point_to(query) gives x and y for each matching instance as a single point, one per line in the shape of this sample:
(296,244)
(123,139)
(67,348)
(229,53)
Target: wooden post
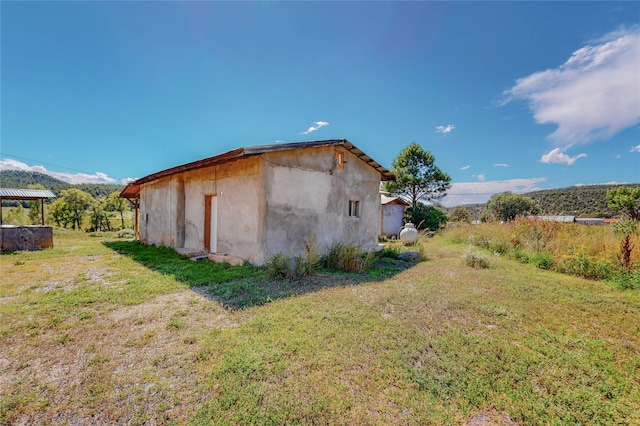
(135,202)
(42,210)
(135,223)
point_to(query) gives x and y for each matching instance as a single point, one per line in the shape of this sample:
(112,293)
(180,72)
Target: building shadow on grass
(238,287)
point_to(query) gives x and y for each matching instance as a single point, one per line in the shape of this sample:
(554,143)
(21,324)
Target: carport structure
(25,195)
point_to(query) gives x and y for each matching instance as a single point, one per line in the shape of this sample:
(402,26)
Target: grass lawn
(105,331)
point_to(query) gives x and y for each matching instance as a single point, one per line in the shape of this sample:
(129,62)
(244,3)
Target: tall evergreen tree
(417,176)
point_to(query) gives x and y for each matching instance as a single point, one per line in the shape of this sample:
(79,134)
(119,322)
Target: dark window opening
(354,208)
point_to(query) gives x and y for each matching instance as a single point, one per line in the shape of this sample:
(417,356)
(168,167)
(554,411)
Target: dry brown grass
(134,364)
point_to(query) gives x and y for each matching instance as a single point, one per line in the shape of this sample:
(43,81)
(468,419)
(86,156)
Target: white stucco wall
(392,219)
(239,191)
(309,195)
(160,202)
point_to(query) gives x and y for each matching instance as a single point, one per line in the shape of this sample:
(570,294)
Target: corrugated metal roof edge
(386,199)
(25,194)
(132,190)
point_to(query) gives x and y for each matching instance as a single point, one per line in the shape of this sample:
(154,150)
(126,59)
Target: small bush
(126,233)
(542,260)
(475,259)
(347,257)
(390,251)
(582,266)
(627,280)
(294,267)
(331,259)
(520,255)
(282,266)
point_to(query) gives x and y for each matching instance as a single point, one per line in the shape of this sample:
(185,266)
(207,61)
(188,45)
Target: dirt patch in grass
(133,364)
(490,418)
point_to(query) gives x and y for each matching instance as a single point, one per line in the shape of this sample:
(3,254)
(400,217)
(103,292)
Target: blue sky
(508,96)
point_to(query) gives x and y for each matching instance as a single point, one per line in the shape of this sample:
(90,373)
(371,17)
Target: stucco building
(392,216)
(254,202)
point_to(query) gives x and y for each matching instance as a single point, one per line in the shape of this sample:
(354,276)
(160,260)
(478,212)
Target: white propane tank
(408,233)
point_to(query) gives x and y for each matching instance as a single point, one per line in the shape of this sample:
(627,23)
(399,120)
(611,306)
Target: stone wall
(13,238)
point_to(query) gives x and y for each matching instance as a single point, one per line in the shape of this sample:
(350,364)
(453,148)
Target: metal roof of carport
(25,194)
(132,190)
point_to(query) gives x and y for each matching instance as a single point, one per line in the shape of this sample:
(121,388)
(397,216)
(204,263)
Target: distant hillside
(583,201)
(22,179)
(580,201)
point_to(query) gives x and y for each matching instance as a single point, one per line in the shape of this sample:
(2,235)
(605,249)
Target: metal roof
(385,199)
(132,190)
(590,220)
(567,219)
(25,194)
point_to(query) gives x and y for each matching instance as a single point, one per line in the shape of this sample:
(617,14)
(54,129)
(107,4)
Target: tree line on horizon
(21,179)
(418,179)
(74,205)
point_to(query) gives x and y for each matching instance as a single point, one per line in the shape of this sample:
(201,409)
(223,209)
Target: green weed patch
(167,261)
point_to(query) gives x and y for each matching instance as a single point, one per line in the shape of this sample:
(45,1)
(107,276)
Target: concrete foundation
(14,238)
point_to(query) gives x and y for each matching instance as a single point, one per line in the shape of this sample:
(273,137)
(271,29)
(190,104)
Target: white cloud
(593,95)
(500,165)
(445,129)
(635,148)
(316,126)
(98,177)
(556,156)
(465,167)
(480,177)
(127,181)
(612,182)
(462,193)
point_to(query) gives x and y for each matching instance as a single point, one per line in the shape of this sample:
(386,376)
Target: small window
(339,159)
(354,208)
